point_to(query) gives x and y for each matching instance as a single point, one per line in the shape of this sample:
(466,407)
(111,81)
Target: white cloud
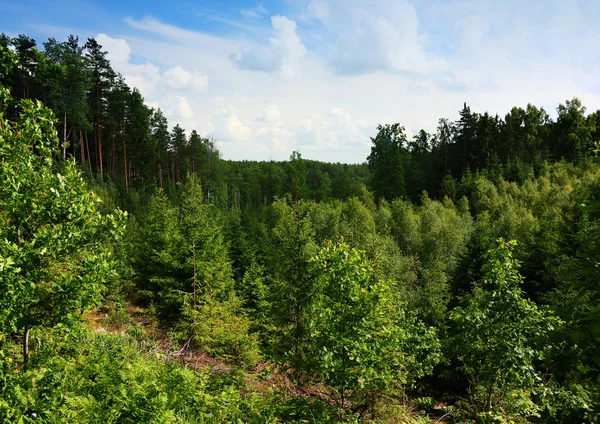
(283,53)
(270,114)
(228,126)
(143,76)
(178,78)
(117,48)
(374,35)
(357,64)
(177,107)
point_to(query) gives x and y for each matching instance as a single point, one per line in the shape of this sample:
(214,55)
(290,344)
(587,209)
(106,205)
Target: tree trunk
(81,147)
(159,169)
(26,347)
(64,146)
(167,163)
(125,171)
(114,160)
(100,147)
(194,249)
(87,146)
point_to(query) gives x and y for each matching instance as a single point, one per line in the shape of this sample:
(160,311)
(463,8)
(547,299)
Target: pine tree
(67,83)
(101,79)
(387,162)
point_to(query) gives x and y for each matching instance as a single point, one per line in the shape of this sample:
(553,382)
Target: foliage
(55,245)
(387,161)
(89,377)
(360,341)
(500,335)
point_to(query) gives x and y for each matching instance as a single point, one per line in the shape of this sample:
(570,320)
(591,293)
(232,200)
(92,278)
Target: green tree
(387,162)
(466,140)
(500,336)
(573,131)
(361,342)
(101,79)
(54,251)
(8,61)
(67,82)
(27,54)
(160,133)
(178,148)
(291,247)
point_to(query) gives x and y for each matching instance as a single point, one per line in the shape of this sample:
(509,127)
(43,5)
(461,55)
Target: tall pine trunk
(159,168)
(114,159)
(82,149)
(64,146)
(125,171)
(99,145)
(87,146)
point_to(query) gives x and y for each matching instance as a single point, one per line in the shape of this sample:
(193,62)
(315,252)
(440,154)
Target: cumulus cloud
(336,130)
(144,77)
(374,35)
(228,126)
(177,108)
(408,63)
(283,53)
(117,48)
(178,78)
(270,114)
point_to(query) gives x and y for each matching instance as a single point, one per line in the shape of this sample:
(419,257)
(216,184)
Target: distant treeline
(107,127)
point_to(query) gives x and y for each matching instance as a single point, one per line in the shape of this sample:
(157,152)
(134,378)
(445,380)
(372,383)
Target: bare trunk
(87,146)
(167,163)
(100,146)
(125,171)
(82,149)
(65,136)
(159,169)
(124,155)
(194,249)
(114,160)
(26,347)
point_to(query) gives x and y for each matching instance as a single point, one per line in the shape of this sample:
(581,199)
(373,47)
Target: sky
(270,77)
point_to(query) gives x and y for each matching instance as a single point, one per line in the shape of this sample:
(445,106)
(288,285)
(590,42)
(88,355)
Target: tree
(102,76)
(8,61)
(160,134)
(292,246)
(361,342)
(500,336)
(67,83)
(54,243)
(466,139)
(26,51)
(418,170)
(142,154)
(178,147)
(387,161)
(573,131)
(442,143)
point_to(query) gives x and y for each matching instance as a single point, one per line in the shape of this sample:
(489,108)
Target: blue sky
(265,78)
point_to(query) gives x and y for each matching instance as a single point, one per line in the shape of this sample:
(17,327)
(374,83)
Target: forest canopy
(452,276)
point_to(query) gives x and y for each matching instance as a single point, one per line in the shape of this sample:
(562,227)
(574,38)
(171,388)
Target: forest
(451,277)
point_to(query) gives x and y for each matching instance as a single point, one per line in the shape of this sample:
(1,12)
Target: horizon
(267,78)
